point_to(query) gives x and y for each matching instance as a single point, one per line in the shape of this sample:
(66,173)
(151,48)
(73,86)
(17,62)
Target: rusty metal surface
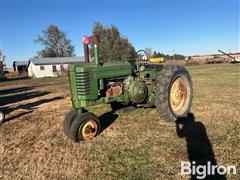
(178,94)
(114,91)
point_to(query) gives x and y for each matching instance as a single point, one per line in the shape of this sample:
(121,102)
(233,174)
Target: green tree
(113,46)
(167,56)
(55,42)
(158,54)
(179,57)
(155,54)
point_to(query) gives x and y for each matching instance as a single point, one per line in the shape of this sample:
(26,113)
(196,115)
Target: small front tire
(67,123)
(85,126)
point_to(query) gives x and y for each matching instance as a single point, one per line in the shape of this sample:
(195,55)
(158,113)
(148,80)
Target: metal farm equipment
(134,82)
(233,59)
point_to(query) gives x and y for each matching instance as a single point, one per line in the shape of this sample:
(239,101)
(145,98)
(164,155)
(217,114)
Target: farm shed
(51,67)
(20,67)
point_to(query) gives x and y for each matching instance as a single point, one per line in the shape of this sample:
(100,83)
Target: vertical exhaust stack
(95,41)
(91,40)
(86,41)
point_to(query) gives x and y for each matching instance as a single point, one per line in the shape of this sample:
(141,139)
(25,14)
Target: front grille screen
(83,83)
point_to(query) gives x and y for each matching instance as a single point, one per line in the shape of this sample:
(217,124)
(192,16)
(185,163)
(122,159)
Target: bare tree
(2,58)
(56,43)
(149,51)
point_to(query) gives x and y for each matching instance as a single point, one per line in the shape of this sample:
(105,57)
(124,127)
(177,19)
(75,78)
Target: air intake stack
(94,40)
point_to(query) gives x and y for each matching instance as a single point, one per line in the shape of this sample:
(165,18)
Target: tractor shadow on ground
(108,118)
(199,147)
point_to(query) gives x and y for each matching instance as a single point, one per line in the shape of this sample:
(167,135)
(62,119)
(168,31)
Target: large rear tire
(173,93)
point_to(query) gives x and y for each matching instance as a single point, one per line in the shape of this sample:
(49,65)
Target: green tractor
(134,82)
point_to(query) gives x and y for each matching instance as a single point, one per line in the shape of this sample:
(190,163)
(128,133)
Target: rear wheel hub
(178,94)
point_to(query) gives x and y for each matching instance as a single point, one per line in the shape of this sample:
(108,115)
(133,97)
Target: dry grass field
(133,145)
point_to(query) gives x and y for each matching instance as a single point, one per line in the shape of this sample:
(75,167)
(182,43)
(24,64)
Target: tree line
(113,45)
(168,57)
(155,54)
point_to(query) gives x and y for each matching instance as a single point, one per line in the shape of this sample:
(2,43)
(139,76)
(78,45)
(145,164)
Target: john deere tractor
(137,82)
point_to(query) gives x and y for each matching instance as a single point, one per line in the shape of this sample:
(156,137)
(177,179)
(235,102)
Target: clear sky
(186,27)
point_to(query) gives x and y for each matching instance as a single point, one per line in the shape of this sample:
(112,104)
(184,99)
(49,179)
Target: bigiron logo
(202,171)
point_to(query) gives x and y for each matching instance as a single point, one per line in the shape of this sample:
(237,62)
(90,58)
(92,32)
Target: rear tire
(173,93)
(85,127)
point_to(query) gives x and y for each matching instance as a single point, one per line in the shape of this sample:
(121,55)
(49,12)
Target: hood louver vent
(83,83)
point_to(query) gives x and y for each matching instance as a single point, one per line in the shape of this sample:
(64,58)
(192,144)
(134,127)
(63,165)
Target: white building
(51,67)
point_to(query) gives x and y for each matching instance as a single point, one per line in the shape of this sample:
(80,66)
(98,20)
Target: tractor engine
(136,89)
(114,89)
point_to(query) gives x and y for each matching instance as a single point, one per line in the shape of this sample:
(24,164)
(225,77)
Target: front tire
(85,127)
(173,93)
(67,123)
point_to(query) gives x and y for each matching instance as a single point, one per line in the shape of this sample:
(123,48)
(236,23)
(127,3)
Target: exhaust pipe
(91,40)
(95,41)
(86,41)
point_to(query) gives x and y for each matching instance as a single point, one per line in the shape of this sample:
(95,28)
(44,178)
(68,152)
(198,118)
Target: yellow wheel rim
(178,94)
(89,130)
(1,116)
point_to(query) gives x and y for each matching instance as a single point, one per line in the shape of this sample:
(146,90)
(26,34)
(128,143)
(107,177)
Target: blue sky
(186,27)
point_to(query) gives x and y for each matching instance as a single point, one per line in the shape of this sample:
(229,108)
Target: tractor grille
(83,83)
